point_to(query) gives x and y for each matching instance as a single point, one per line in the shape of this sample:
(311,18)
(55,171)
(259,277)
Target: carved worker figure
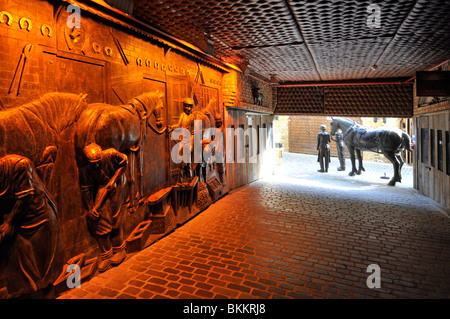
(323,146)
(102,184)
(340,145)
(28,228)
(219,149)
(186,121)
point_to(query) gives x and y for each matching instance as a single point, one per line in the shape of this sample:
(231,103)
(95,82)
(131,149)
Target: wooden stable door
(423,155)
(236,154)
(433,174)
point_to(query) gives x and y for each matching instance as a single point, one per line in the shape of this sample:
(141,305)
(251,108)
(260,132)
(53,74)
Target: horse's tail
(406,141)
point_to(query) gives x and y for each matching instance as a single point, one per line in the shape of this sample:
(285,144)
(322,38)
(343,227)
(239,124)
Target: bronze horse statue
(122,127)
(388,141)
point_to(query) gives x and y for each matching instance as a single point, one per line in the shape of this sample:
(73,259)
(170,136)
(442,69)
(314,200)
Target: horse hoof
(391,183)
(358,173)
(351,174)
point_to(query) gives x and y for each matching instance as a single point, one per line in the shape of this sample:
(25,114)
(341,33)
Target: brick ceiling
(301,41)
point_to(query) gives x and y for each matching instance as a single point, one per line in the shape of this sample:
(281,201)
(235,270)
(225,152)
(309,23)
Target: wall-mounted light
(273,79)
(243,64)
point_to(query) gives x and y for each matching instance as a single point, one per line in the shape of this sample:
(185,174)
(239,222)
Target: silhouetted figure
(323,141)
(340,145)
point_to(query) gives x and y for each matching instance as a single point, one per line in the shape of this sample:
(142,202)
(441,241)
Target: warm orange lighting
(106,5)
(177,43)
(233,67)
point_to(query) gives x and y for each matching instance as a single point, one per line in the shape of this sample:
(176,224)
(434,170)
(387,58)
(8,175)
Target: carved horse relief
(122,127)
(29,140)
(32,130)
(388,141)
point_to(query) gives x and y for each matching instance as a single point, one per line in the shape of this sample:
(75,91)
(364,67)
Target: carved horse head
(150,105)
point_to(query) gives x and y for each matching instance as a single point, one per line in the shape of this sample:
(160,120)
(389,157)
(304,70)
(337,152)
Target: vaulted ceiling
(302,41)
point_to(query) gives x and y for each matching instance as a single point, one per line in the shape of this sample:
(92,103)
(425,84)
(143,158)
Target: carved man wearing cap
(102,183)
(186,121)
(323,141)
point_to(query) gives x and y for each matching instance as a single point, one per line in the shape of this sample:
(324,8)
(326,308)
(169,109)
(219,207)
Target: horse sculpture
(122,127)
(388,141)
(32,130)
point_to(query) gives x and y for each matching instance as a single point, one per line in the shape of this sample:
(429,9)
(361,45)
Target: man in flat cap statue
(323,146)
(102,184)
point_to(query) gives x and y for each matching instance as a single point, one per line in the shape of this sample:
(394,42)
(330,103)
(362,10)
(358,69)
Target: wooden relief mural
(86,172)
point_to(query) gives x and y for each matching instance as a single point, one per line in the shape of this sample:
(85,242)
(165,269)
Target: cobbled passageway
(296,234)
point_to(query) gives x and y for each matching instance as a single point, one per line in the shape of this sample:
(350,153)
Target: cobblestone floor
(296,234)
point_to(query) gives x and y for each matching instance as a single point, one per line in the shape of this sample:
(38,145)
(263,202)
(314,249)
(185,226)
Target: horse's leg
(400,160)
(392,158)
(362,166)
(351,150)
(360,162)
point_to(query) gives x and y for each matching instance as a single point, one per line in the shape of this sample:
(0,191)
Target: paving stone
(297,234)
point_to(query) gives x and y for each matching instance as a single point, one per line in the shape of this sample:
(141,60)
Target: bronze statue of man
(340,145)
(102,183)
(323,146)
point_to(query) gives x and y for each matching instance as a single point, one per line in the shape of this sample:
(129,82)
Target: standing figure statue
(219,149)
(28,228)
(323,146)
(340,145)
(186,121)
(102,183)
(191,164)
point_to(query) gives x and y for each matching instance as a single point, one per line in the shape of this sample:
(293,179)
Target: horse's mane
(57,110)
(146,102)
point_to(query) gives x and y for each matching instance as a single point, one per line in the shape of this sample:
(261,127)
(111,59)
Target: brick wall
(281,131)
(427,105)
(303,132)
(13,40)
(237,92)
